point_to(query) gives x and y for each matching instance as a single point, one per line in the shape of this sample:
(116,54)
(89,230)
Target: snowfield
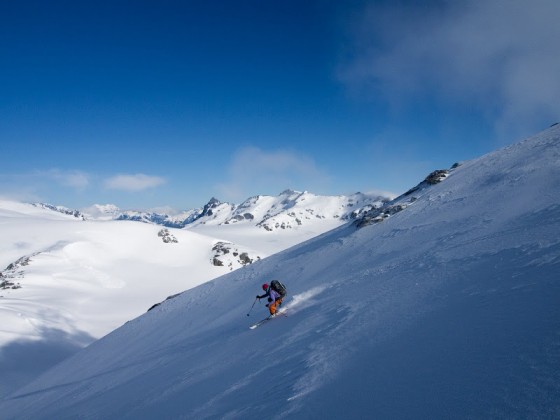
(83,280)
(446,309)
(72,277)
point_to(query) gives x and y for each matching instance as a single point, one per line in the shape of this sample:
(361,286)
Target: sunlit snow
(446,309)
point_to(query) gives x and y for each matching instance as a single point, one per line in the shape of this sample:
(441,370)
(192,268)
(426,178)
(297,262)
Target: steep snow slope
(447,309)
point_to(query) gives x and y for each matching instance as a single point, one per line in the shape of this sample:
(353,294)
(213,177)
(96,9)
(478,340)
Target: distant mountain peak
(213,202)
(290,192)
(61,209)
(289,209)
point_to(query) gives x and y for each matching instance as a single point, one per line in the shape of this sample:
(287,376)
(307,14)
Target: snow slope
(72,277)
(446,309)
(69,282)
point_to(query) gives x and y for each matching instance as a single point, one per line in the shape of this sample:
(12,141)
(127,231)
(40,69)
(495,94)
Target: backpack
(278,287)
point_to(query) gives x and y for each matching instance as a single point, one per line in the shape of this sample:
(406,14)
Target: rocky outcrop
(433,178)
(168,298)
(167,237)
(227,254)
(14,271)
(8,284)
(377,215)
(60,209)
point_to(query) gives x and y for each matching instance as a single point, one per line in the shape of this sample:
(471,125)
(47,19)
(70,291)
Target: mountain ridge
(254,210)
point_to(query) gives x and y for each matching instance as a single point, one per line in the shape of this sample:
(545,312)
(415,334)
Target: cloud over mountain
(494,56)
(136,182)
(255,169)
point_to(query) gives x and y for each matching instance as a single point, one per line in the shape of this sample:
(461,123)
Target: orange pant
(272,306)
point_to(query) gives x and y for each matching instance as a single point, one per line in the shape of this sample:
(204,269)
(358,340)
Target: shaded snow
(447,309)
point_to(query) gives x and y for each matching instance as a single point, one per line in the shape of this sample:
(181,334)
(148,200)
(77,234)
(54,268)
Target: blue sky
(168,103)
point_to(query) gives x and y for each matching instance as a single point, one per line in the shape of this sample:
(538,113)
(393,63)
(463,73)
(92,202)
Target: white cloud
(133,183)
(498,56)
(256,171)
(73,179)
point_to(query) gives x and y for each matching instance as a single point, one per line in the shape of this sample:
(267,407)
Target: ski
(262,321)
(269,318)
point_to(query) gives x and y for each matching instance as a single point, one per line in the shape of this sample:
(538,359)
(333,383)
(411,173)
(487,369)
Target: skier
(275,293)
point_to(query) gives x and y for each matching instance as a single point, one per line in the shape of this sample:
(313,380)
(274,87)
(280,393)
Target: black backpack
(278,287)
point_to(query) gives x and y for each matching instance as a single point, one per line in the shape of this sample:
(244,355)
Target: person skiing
(275,293)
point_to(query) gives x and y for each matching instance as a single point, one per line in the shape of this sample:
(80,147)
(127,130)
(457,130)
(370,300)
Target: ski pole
(252,307)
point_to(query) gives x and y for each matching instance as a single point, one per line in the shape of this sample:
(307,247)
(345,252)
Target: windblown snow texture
(447,309)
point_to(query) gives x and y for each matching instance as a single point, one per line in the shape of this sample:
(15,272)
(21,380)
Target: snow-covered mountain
(177,221)
(78,275)
(447,308)
(287,210)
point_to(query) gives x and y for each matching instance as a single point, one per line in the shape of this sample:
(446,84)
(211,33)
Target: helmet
(265,286)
